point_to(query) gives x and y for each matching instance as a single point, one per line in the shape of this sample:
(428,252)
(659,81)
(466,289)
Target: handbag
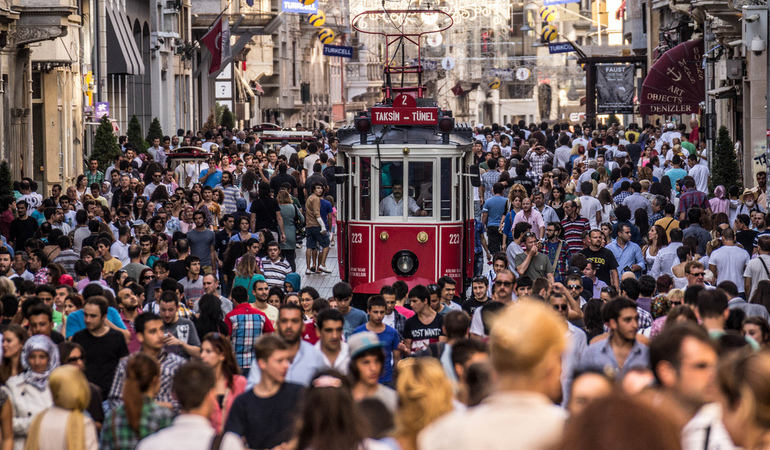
(299,225)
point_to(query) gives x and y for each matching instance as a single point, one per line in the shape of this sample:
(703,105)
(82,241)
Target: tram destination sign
(404,116)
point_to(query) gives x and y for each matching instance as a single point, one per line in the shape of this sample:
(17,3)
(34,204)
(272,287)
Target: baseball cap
(361,342)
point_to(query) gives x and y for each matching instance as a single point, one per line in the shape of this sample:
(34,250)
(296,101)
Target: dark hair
(192,384)
(99,301)
(141,321)
(377,352)
(211,316)
(456,324)
(141,371)
(6,370)
(328,314)
(667,346)
(375,300)
(421,292)
(239,295)
(631,287)
(223,347)
(612,309)
(712,303)
(342,290)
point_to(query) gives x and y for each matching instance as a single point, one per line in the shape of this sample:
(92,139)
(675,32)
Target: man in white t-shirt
(311,158)
(699,173)
(563,153)
(728,261)
(758,269)
(590,207)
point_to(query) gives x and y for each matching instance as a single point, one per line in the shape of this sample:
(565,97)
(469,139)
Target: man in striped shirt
(245,324)
(274,266)
(231,192)
(574,225)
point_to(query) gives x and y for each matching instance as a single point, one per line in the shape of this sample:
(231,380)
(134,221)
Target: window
(391,188)
(447,179)
(421,188)
(365,186)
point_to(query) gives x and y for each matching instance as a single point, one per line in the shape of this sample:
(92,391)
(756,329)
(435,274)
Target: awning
(675,83)
(124,57)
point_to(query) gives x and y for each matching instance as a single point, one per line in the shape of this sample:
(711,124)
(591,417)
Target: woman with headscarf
(29,390)
(720,203)
(64,426)
(292,280)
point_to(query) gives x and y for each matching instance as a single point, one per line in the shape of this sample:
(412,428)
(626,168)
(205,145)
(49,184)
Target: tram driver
(392,205)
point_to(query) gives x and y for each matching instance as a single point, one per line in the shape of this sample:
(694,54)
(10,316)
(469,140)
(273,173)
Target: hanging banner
(560,47)
(296,6)
(615,88)
(675,82)
(559,2)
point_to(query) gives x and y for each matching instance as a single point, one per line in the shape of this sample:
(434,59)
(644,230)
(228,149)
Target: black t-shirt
(746,239)
(221,238)
(471,305)
(279,179)
(21,230)
(423,335)
(524,181)
(634,152)
(604,261)
(177,269)
(265,210)
(102,355)
(265,422)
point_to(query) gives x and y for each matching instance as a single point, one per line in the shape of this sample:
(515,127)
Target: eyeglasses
(561,307)
(504,283)
(574,286)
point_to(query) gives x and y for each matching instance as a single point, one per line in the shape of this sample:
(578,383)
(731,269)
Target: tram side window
(365,213)
(421,188)
(391,188)
(446,188)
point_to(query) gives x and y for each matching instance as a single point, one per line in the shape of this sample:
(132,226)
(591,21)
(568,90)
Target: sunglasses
(560,307)
(607,290)
(504,283)
(574,286)
(148,278)
(697,274)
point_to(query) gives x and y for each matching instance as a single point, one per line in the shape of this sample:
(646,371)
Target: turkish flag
(458,90)
(217,40)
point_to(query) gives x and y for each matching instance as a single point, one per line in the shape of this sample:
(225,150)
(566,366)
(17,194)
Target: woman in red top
(217,353)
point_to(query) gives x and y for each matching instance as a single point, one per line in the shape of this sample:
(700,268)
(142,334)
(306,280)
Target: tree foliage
(106,147)
(724,166)
(155,131)
(211,124)
(134,135)
(228,119)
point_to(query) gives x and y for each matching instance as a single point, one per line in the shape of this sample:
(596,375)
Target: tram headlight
(404,263)
(446,125)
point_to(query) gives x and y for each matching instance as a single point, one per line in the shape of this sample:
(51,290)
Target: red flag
(217,40)
(458,90)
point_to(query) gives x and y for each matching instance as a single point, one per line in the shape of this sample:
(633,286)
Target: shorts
(316,239)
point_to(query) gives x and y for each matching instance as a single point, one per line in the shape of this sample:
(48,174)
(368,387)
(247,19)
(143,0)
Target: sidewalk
(323,283)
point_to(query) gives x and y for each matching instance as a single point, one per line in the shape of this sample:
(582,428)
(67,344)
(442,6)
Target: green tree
(724,164)
(228,119)
(218,110)
(6,180)
(134,135)
(155,131)
(106,147)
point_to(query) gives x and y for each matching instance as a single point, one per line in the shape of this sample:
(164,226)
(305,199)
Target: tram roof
(462,134)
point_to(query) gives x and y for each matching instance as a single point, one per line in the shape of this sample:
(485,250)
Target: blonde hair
(7,286)
(524,335)
(70,391)
(284,198)
(675,294)
(247,267)
(424,394)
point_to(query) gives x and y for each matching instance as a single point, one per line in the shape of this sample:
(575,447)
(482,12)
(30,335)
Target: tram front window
(416,192)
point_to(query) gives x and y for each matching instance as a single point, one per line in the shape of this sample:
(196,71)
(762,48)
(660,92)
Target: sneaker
(323,269)
(310,270)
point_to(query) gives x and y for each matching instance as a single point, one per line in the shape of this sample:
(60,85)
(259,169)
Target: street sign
(448,63)
(404,116)
(560,47)
(296,6)
(338,50)
(101,109)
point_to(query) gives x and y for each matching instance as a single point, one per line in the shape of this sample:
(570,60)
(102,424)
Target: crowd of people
(624,305)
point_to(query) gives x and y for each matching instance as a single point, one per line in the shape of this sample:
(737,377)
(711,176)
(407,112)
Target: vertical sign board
(295,6)
(101,109)
(615,88)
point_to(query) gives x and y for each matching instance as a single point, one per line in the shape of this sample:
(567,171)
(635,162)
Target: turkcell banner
(560,47)
(559,2)
(296,6)
(338,50)
(615,88)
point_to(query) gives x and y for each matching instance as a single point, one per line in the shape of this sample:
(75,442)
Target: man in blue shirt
(621,351)
(354,317)
(628,254)
(491,215)
(211,176)
(389,337)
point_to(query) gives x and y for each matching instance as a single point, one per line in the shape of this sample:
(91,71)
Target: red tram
(406,200)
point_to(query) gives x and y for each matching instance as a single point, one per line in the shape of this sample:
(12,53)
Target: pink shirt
(406,312)
(535,219)
(219,414)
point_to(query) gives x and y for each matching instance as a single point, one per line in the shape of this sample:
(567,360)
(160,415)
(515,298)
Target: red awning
(675,83)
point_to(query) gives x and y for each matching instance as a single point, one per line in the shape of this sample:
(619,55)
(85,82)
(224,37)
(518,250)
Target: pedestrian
(367,364)
(387,335)
(217,353)
(262,415)
(64,426)
(191,430)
